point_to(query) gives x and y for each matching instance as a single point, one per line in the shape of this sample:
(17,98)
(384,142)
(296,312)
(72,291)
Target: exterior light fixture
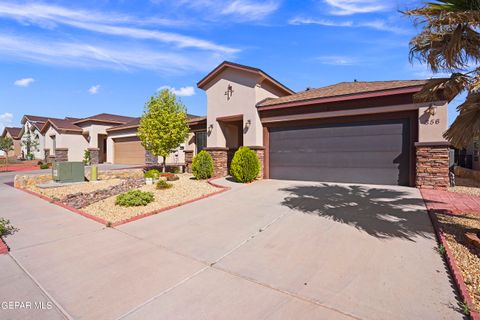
(210,128)
(432,110)
(229,92)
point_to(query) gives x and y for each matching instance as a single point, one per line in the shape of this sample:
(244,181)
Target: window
(201,140)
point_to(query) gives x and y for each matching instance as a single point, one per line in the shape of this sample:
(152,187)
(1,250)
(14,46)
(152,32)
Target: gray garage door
(375,152)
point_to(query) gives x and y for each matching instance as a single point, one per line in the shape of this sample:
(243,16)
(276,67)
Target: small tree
(30,143)
(6,145)
(163,126)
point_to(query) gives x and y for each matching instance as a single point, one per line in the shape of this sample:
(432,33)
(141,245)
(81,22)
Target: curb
(3,247)
(143,215)
(452,266)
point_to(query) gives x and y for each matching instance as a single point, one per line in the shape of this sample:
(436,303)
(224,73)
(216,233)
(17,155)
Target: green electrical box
(69,171)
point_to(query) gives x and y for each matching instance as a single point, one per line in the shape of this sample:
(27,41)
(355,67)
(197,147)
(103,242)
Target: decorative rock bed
(82,199)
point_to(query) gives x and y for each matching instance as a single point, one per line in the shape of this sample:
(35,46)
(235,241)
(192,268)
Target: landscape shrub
(152,173)
(245,165)
(87,157)
(162,184)
(44,166)
(134,198)
(6,228)
(202,165)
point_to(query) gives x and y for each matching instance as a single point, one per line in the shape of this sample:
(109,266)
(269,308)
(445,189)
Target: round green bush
(152,173)
(162,184)
(202,165)
(134,198)
(245,165)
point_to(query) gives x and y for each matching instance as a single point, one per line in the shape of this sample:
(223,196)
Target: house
(14,134)
(356,132)
(31,131)
(124,147)
(68,139)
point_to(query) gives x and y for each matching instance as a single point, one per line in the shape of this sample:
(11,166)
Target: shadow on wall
(382,213)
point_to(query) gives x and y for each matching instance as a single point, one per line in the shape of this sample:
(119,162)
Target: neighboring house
(68,139)
(360,132)
(124,146)
(14,134)
(32,126)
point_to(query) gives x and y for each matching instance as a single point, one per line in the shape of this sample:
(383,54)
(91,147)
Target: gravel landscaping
(467,186)
(184,189)
(466,255)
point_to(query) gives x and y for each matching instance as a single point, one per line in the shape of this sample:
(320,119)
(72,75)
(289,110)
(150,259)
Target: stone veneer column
(61,154)
(94,155)
(150,159)
(220,160)
(260,151)
(46,154)
(188,160)
(432,165)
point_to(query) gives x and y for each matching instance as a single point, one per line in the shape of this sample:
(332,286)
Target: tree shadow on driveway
(382,213)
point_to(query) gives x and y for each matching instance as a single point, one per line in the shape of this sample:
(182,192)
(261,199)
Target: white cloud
(50,16)
(50,51)
(181,92)
(380,25)
(349,7)
(337,60)
(5,120)
(250,10)
(25,82)
(94,89)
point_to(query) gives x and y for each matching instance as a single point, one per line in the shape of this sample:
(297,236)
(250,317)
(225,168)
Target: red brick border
(143,215)
(452,266)
(3,247)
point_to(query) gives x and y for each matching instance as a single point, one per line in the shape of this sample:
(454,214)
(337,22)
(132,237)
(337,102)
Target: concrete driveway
(269,250)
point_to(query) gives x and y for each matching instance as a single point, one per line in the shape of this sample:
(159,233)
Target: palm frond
(467,124)
(443,89)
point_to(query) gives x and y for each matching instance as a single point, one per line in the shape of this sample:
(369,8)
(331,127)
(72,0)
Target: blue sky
(78,58)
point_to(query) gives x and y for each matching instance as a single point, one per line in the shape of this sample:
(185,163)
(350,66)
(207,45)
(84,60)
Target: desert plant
(162,184)
(202,165)
(5,227)
(152,174)
(44,166)
(6,145)
(163,126)
(87,157)
(245,165)
(134,198)
(449,42)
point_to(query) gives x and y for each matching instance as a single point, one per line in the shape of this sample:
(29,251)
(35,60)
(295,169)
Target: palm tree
(450,42)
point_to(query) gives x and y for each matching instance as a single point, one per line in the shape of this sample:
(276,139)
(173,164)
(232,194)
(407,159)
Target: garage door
(376,152)
(128,151)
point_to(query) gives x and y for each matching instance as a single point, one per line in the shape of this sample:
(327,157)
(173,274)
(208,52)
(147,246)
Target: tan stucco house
(14,134)
(363,132)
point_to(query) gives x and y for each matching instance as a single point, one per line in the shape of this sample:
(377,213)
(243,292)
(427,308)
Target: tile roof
(107,117)
(62,125)
(343,89)
(35,118)
(13,131)
(136,122)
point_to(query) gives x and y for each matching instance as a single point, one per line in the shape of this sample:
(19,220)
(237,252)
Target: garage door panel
(375,152)
(128,150)
(341,144)
(332,159)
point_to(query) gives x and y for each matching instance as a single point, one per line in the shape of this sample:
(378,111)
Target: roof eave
(356,96)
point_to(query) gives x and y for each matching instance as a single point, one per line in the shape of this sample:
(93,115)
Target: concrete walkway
(269,250)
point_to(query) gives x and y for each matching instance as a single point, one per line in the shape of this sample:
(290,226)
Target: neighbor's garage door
(128,151)
(376,152)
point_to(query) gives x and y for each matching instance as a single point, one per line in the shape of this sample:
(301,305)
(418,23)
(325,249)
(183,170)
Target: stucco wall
(94,130)
(248,89)
(76,143)
(432,127)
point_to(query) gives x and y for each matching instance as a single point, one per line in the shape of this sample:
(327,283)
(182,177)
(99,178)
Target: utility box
(69,171)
